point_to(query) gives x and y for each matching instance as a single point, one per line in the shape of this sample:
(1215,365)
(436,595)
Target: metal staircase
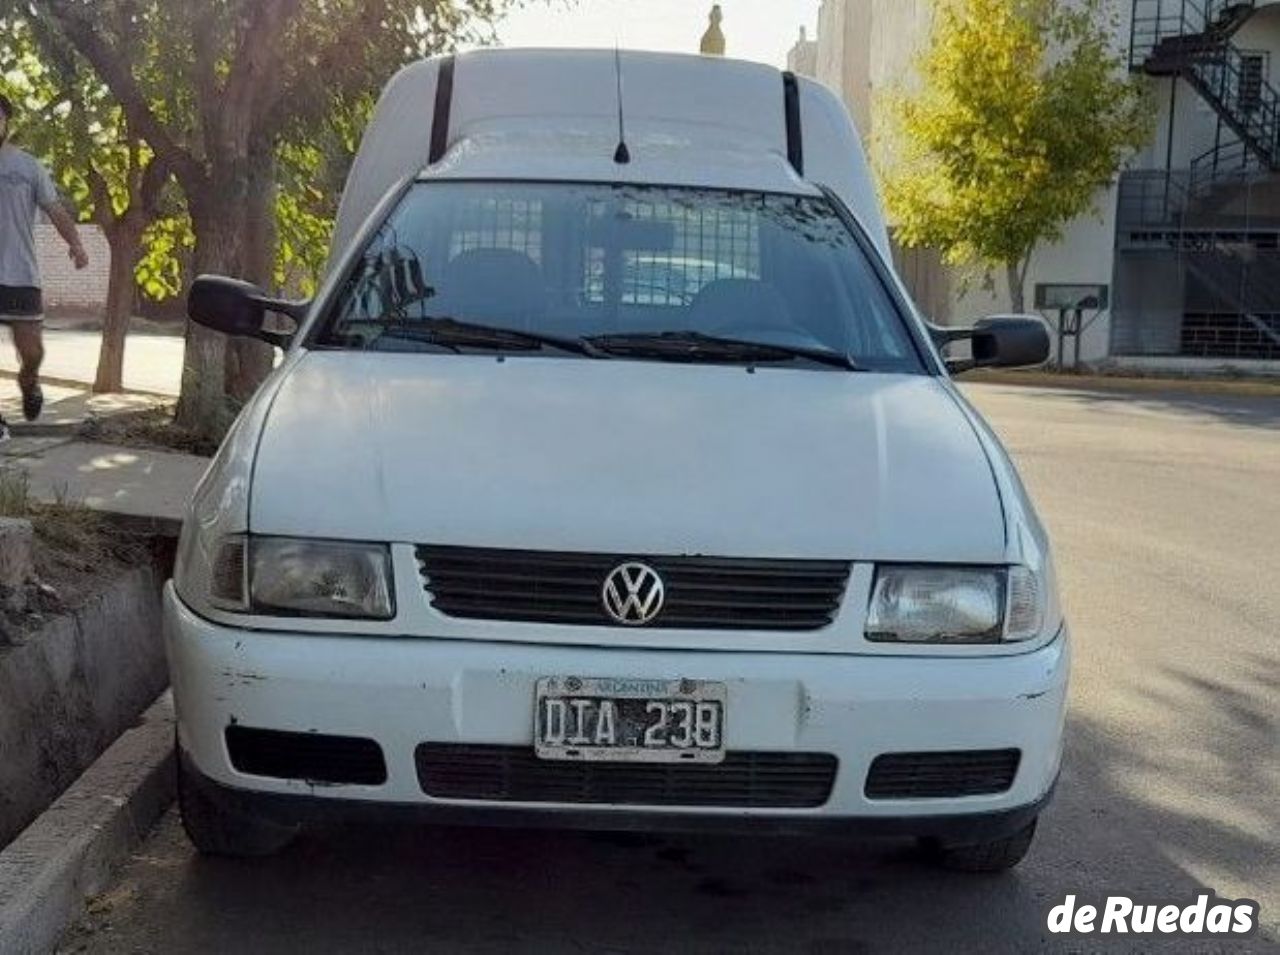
(1192,40)
(1237,275)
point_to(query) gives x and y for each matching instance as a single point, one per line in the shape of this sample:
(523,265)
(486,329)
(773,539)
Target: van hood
(624,457)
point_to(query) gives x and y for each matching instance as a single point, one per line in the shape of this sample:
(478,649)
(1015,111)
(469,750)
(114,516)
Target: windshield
(568,262)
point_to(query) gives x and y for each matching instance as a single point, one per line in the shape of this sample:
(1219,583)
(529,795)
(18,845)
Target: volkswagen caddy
(612,480)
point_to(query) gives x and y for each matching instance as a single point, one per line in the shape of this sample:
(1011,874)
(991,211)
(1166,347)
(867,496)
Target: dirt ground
(151,428)
(76,553)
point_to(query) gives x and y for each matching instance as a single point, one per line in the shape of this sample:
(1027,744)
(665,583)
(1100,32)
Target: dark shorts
(20,304)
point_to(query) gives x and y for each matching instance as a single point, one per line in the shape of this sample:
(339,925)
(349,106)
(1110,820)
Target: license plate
(626,720)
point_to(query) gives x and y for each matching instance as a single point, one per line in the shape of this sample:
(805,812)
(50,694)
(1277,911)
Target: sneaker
(32,402)
(4,431)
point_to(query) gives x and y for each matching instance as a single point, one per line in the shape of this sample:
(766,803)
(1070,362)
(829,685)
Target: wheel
(998,855)
(218,830)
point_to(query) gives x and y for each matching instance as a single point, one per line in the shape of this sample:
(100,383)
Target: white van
(613,481)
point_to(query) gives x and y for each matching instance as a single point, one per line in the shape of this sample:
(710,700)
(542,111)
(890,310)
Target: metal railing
(1246,284)
(1161,209)
(1153,199)
(1158,214)
(1191,39)
(1157,20)
(1249,106)
(1223,164)
(1209,334)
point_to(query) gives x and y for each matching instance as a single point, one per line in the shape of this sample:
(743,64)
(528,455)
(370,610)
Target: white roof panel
(539,154)
(553,115)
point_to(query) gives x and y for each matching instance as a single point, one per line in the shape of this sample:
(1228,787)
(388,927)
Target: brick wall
(64,288)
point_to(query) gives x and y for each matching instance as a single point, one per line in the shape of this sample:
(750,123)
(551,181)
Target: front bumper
(402,692)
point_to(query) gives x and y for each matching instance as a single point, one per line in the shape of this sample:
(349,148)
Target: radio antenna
(622,155)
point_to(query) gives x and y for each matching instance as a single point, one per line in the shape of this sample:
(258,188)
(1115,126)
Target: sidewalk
(66,408)
(152,363)
(150,487)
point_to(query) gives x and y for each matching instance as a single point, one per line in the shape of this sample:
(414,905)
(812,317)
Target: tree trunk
(1016,273)
(249,361)
(203,408)
(124,237)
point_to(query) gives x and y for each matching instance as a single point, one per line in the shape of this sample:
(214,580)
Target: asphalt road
(1166,515)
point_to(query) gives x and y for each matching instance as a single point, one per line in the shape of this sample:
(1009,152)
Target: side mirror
(999,341)
(240,308)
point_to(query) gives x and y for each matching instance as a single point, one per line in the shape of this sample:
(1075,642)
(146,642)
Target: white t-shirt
(25,186)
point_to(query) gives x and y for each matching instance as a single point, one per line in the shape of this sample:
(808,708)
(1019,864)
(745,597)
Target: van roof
(553,115)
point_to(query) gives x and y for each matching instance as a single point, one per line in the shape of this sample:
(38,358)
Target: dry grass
(15,492)
(76,549)
(151,428)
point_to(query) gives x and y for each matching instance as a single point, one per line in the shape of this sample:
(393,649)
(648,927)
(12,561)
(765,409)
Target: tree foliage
(312,168)
(1024,110)
(74,126)
(167,244)
(69,120)
(235,98)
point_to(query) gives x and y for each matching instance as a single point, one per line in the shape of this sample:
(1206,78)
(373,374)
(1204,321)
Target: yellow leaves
(1025,111)
(167,244)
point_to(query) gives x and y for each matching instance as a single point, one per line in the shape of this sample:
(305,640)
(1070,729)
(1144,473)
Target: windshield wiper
(697,346)
(453,333)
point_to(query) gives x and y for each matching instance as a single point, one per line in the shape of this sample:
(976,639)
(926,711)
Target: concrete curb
(70,852)
(1257,387)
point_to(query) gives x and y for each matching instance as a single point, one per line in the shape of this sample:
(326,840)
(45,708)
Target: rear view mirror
(234,307)
(999,341)
(1011,341)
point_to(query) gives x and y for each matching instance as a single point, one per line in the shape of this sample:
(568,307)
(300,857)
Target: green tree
(1024,111)
(312,166)
(70,122)
(214,87)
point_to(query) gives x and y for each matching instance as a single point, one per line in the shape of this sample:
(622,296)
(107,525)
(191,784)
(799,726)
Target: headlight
(923,604)
(303,578)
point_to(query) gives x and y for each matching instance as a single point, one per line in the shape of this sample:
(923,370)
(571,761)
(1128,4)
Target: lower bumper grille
(309,756)
(942,775)
(515,774)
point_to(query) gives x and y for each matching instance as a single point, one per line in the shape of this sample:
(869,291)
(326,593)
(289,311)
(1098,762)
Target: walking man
(25,186)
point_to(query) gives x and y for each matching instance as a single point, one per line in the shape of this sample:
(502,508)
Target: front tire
(219,830)
(998,855)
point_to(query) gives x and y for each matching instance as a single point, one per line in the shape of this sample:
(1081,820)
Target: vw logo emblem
(633,594)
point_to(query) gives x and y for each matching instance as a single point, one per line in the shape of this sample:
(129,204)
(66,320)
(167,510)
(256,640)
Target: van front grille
(516,774)
(979,772)
(701,593)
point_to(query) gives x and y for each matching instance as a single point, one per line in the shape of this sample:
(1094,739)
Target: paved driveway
(1166,517)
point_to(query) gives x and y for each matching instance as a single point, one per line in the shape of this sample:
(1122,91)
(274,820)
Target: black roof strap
(795,137)
(440,118)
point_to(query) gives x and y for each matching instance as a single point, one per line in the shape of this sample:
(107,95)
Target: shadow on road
(1228,819)
(1256,411)
(1114,829)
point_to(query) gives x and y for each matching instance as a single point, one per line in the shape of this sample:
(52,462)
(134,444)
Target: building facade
(1184,247)
(803,57)
(66,290)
